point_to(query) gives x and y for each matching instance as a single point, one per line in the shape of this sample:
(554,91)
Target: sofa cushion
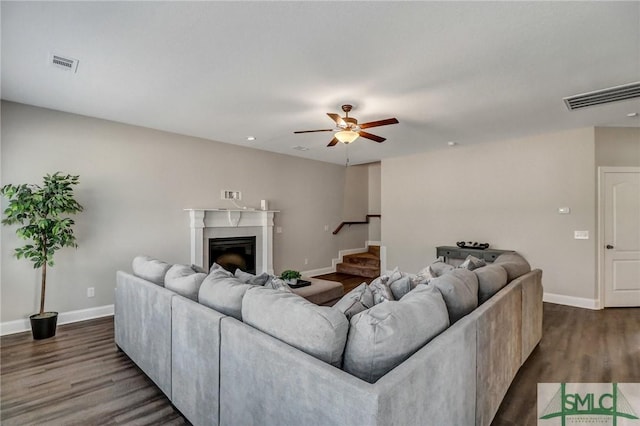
(223,292)
(459,290)
(249,278)
(382,337)
(184,280)
(514,264)
(491,279)
(356,301)
(472,262)
(150,269)
(320,331)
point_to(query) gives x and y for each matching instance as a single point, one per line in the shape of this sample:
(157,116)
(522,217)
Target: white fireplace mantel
(206,221)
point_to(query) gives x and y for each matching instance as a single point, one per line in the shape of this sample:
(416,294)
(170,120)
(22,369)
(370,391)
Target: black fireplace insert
(233,253)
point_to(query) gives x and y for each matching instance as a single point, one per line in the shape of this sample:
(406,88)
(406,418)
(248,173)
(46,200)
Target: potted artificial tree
(41,211)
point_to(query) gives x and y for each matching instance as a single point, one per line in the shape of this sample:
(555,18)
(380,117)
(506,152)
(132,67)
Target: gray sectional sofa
(278,360)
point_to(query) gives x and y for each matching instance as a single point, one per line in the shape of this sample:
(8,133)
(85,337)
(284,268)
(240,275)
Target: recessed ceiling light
(452,143)
(300,148)
(632,114)
(251,138)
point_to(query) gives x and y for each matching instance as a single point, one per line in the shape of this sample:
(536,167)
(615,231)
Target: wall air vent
(64,62)
(604,96)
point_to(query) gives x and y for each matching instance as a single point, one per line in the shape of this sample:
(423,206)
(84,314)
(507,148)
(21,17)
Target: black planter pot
(44,326)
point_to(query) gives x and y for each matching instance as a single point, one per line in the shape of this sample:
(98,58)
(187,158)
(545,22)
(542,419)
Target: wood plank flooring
(79,378)
(349,282)
(578,346)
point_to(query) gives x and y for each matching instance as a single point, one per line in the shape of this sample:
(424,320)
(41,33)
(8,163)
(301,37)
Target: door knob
(609,246)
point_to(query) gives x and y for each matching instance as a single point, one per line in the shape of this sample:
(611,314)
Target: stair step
(359,270)
(367,259)
(374,250)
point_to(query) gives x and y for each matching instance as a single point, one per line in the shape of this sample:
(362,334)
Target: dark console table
(454,252)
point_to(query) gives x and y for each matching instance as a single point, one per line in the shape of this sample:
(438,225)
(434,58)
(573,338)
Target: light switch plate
(581,235)
(564,210)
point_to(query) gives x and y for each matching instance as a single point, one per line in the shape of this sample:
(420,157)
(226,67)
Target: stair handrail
(355,222)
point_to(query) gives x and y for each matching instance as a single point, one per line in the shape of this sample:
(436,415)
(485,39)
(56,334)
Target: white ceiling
(467,72)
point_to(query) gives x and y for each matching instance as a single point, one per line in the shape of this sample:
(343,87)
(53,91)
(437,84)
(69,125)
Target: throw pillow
(183,280)
(278,284)
(380,289)
(459,290)
(150,269)
(357,300)
(384,336)
(199,269)
(248,278)
(401,287)
(472,262)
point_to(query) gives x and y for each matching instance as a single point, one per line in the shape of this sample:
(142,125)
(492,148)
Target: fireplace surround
(207,224)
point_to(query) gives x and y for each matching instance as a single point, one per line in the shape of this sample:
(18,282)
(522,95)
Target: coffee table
(320,292)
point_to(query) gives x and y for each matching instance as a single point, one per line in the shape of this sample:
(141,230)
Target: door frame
(600,302)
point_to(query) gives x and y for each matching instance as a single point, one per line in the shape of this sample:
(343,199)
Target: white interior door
(620,209)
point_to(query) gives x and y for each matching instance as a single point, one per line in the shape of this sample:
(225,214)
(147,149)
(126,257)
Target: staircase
(365,264)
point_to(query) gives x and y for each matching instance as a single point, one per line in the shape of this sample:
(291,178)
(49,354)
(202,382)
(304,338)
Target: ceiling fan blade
(333,142)
(335,117)
(313,131)
(379,123)
(372,137)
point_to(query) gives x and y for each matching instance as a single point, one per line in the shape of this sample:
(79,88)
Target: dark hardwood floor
(79,378)
(349,282)
(578,346)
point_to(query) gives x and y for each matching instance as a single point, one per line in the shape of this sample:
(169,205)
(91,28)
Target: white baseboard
(578,302)
(321,271)
(18,326)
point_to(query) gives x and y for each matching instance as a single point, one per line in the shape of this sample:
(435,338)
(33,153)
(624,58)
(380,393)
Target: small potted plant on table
(290,277)
(41,210)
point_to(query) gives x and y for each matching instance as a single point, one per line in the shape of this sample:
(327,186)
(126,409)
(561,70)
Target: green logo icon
(587,405)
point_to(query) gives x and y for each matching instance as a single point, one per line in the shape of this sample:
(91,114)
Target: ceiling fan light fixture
(347,136)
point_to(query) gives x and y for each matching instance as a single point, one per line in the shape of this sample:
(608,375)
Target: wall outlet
(278,229)
(581,235)
(91,292)
(326,227)
(564,210)
(306,261)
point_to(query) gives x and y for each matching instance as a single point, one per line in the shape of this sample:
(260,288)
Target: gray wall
(135,183)
(505,193)
(375,173)
(617,146)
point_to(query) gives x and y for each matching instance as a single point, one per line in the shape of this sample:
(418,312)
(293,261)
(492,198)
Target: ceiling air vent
(604,96)
(63,62)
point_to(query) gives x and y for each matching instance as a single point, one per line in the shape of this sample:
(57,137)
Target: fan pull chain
(347,163)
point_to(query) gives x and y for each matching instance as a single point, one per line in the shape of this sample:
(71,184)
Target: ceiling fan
(348,130)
